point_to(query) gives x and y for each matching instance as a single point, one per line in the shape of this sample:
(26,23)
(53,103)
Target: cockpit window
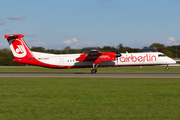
(161,55)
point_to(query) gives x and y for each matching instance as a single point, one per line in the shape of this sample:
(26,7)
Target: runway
(97,75)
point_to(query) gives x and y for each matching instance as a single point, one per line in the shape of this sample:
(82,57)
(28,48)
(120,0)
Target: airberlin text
(131,58)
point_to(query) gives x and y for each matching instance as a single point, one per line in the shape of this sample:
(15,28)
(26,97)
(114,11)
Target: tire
(167,68)
(93,71)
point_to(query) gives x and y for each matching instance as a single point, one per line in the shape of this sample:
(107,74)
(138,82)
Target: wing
(93,55)
(96,56)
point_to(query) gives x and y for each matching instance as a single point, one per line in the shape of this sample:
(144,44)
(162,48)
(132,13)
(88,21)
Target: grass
(152,69)
(89,99)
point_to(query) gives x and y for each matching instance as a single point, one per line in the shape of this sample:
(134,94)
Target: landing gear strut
(167,67)
(94,70)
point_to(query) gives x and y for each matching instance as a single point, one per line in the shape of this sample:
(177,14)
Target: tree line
(6,57)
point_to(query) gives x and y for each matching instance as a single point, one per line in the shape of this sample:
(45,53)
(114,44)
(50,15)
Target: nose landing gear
(167,67)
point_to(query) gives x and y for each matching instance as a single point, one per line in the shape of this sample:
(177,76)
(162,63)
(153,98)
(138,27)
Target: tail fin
(19,48)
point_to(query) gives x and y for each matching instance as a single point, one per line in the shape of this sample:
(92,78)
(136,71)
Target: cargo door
(61,62)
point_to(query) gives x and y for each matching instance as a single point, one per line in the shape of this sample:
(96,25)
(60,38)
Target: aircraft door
(61,62)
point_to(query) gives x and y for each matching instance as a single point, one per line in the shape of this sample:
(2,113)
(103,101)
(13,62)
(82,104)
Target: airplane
(93,59)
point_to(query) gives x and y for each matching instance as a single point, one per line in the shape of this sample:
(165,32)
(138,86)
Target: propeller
(118,54)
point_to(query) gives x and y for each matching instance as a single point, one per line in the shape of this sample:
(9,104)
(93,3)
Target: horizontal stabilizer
(14,36)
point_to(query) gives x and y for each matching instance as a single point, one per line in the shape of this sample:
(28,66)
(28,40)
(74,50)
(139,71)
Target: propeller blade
(117,54)
(117,50)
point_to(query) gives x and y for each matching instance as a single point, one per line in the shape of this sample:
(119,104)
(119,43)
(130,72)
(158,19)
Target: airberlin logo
(147,57)
(97,56)
(17,48)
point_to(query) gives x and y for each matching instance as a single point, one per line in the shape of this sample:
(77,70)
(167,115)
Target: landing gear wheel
(167,68)
(93,71)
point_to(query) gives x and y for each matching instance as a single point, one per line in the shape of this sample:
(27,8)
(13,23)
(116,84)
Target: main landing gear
(94,70)
(167,67)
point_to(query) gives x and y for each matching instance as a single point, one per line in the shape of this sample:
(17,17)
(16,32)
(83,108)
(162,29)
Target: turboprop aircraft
(94,58)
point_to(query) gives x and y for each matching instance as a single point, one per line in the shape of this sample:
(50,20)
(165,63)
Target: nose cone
(171,61)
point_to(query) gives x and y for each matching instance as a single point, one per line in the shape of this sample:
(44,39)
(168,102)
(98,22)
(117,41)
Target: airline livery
(94,58)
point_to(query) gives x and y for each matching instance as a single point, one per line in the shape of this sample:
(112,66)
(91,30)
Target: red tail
(19,48)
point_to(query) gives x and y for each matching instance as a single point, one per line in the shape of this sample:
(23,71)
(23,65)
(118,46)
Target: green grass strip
(89,99)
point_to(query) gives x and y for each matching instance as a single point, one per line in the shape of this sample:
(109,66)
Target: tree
(6,58)
(121,48)
(158,46)
(108,49)
(67,49)
(168,53)
(175,49)
(131,50)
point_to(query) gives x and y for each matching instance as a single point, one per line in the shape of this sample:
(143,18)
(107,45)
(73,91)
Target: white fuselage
(127,59)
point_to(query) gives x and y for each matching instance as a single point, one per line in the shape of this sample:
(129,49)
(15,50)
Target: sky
(55,24)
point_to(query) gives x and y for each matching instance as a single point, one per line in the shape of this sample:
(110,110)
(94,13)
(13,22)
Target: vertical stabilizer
(19,48)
